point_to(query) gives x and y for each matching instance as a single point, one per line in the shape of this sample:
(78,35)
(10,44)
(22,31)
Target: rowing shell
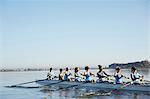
(143,88)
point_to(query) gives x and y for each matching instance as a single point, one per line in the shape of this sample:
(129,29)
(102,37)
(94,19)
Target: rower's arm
(81,74)
(132,77)
(92,74)
(125,77)
(106,74)
(141,76)
(98,74)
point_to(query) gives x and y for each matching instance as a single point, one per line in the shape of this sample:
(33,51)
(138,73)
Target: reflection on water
(10,78)
(96,94)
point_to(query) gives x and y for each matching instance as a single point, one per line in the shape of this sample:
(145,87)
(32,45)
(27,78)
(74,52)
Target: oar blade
(10,86)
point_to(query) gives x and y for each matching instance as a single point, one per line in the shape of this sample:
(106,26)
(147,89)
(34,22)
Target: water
(10,78)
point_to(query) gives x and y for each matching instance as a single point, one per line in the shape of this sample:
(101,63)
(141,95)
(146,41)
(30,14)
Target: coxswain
(50,74)
(135,76)
(118,76)
(101,74)
(77,74)
(67,74)
(88,74)
(61,75)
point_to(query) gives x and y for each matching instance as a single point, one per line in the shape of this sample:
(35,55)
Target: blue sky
(41,33)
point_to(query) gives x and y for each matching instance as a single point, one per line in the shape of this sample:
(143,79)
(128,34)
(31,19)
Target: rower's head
(50,69)
(76,69)
(133,69)
(100,67)
(60,70)
(87,68)
(67,68)
(118,69)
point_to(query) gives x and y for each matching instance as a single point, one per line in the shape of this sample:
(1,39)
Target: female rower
(101,74)
(50,74)
(61,75)
(77,74)
(88,74)
(118,76)
(67,74)
(135,76)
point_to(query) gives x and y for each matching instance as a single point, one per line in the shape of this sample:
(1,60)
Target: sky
(59,33)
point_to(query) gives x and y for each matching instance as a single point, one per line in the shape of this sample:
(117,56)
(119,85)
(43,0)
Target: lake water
(10,78)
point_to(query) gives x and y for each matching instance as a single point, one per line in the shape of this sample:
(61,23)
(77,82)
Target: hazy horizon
(73,32)
(46,66)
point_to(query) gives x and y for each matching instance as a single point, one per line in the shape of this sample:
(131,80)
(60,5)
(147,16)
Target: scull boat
(141,88)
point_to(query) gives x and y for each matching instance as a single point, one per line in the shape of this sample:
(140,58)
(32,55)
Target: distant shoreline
(140,65)
(33,69)
(45,69)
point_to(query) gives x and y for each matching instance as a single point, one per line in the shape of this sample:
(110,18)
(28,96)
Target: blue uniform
(87,76)
(67,75)
(118,78)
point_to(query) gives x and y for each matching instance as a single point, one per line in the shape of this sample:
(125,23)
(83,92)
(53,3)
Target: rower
(118,76)
(101,74)
(77,74)
(61,74)
(50,74)
(135,76)
(87,74)
(67,75)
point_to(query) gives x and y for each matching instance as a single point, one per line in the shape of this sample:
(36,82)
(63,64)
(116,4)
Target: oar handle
(126,77)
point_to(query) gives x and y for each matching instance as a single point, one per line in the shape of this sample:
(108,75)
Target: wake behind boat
(102,85)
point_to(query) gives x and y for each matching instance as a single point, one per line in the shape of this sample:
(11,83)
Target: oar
(24,83)
(146,81)
(108,77)
(19,85)
(142,80)
(24,86)
(54,83)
